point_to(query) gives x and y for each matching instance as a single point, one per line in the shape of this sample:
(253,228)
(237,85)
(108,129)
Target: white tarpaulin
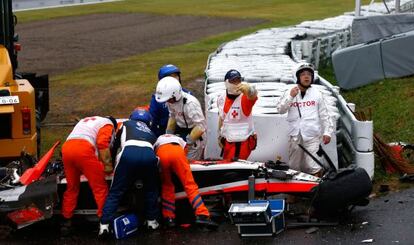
(371,28)
(363,64)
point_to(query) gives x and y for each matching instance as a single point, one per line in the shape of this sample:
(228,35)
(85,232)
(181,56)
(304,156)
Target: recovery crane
(24,97)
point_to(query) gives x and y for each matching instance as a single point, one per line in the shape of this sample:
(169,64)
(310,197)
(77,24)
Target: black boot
(66,227)
(169,222)
(205,221)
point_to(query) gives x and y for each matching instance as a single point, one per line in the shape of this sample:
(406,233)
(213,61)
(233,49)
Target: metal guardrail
(354,137)
(318,49)
(407,7)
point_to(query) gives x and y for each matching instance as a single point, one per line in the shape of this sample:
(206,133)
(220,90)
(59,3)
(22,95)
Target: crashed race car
(35,195)
(27,200)
(27,194)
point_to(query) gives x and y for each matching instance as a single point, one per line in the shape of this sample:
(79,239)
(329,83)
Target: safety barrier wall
(318,50)
(363,64)
(268,57)
(354,137)
(407,7)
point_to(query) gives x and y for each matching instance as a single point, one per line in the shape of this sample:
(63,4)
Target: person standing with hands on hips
(308,118)
(237,137)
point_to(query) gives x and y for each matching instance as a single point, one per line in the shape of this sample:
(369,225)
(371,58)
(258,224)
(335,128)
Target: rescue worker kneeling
(170,149)
(236,130)
(136,160)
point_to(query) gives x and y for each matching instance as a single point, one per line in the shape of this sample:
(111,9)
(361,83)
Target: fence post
(357,8)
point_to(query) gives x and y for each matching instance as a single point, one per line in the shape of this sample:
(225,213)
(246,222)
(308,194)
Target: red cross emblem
(234,114)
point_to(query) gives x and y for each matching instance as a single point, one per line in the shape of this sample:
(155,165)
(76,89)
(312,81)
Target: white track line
(66,5)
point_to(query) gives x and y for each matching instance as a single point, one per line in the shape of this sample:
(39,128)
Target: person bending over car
(170,149)
(87,151)
(136,160)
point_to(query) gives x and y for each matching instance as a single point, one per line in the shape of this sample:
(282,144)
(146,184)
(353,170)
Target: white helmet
(168,88)
(303,66)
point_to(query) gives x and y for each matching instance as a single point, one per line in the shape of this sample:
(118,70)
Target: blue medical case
(125,226)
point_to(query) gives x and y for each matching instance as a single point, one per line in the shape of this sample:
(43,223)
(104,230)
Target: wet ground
(386,220)
(58,46)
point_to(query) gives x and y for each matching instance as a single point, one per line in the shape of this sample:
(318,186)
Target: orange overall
(79,157)
(246,147)
(173,160)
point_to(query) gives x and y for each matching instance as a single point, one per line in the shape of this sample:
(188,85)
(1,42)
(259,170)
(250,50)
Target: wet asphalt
(386,220)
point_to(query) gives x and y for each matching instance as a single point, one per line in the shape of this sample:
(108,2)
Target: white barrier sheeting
(252,67)
(267,59)
(335,23)
(378,8)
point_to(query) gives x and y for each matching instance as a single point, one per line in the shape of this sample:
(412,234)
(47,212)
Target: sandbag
(338,190)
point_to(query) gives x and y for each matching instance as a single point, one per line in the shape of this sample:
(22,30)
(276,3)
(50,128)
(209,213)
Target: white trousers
(298,159)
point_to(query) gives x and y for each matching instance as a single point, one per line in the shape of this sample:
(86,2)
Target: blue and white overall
(135,161)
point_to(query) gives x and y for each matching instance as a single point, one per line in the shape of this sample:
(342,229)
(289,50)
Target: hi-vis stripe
(168,205)
(197,201)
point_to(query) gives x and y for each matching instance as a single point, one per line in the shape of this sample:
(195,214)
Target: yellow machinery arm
(6,73)
(17,112)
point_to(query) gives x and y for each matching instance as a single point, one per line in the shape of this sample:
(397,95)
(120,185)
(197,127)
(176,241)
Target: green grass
(391,105)
(143,69)
(133,77)
(390,101)
(281,12)
(136,74)
(139,72)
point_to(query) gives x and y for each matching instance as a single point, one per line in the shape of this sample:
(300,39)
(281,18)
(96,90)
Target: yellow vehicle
(24,98)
